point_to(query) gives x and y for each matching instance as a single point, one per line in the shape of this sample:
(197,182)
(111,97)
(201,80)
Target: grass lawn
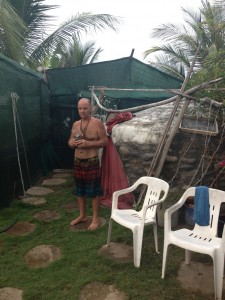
(80,262)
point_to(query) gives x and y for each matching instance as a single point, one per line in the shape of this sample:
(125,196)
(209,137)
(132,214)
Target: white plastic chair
(156,192)
(202,239)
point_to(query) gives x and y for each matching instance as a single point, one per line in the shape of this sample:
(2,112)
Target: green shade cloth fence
(32,122)
(47,107)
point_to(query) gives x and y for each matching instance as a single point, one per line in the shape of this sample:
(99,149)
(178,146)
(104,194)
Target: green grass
(80,262)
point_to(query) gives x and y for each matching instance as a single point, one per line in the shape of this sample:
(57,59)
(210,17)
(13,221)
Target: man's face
(84,108)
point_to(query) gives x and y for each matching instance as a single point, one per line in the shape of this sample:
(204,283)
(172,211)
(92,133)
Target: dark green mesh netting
(46,110)
(32,122)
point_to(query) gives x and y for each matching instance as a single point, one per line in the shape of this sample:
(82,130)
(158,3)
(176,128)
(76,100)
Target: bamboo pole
(160,145)
(191,91)
(180,95)
(159,152)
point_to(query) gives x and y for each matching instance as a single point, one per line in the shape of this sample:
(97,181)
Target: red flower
(221,164)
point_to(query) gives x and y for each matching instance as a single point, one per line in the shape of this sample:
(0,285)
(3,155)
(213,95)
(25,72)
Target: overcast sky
(139,18)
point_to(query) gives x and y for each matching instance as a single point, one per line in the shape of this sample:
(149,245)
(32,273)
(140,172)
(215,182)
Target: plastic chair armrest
(180,203)
(150,205)
(169,211)
(173,208)
(116,194)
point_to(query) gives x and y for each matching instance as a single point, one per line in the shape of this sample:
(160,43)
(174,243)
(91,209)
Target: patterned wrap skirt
(87,177)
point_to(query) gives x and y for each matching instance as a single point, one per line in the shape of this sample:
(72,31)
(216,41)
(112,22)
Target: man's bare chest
(85,132)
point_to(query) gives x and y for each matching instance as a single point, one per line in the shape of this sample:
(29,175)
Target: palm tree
(206,27)
(74,53)
(23,26)
(12,31)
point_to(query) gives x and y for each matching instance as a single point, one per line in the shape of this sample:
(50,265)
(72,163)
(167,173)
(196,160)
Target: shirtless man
(87,136)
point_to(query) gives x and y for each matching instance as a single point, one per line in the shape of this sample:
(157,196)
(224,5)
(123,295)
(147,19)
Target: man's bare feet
(78,220)
(94,225)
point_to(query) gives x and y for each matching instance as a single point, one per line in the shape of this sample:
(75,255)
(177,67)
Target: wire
(15,98)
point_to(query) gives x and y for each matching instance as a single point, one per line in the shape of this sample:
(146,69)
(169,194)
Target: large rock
(137,142)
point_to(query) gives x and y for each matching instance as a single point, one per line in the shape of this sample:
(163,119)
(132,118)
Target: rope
(15,98)
(188,145)
(163,146)
(186,148)
(212,157)
(207,141)
(16,120)
(201,162)
(25,153)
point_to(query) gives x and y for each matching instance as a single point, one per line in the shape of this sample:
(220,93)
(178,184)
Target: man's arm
(71,141)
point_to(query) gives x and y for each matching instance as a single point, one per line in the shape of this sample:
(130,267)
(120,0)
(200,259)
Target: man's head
(84,108)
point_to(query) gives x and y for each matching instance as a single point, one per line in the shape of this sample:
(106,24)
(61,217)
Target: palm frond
(205,27)
(12,31)
(33,13)
(74,53)
(172,53)
(85,23)
(91,54)
(167,32)
(176,70)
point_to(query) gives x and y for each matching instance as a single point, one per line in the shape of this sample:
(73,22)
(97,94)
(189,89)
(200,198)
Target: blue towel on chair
(201,207)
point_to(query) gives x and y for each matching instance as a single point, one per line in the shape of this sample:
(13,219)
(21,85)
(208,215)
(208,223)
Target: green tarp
(45,111)
(124,73)
(31,119)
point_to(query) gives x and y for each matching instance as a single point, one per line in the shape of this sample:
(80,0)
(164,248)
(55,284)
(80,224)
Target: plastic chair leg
(218,268)
(137,246)
(156,238)
(164,262)
(187,257)
(109,232)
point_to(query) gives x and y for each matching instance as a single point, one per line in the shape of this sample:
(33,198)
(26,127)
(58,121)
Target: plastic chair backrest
(155,191)
(216,197)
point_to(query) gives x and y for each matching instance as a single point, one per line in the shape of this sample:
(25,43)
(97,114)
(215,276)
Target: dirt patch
(8,293)
(197,277)
(99,291)
(84,225)
(21,229)
(119,252)
(41,256)
(47,215)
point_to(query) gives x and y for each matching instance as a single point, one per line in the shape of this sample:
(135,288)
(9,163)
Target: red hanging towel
(113,177)
(118,118)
